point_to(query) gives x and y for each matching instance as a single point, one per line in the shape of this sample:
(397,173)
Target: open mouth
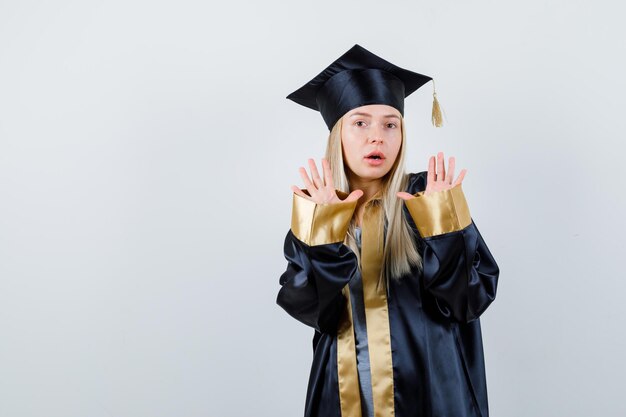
(375,158)
(376,155)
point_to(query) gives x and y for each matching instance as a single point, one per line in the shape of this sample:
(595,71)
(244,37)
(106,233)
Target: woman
(388,268)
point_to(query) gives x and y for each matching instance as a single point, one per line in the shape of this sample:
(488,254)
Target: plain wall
(146,155)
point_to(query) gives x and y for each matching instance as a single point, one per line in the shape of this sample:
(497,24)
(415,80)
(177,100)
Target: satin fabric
(356,78)
(355,88)
(361,339)
(376,310)
(436,341)
(316,224)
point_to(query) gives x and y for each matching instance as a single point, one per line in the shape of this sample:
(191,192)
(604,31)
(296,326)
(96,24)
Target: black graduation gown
(434,325)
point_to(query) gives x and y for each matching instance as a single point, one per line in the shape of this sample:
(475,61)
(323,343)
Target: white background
(146,155)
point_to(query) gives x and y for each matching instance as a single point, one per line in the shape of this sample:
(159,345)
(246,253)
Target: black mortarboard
(358,78)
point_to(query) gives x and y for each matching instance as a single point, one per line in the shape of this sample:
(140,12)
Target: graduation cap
(358,78)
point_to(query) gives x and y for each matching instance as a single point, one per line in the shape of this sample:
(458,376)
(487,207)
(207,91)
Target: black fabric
(355,79)
(436,339)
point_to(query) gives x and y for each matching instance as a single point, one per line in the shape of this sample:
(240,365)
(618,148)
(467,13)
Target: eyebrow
(367,114)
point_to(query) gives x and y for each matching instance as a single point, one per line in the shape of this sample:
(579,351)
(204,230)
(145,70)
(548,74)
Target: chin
(373,174)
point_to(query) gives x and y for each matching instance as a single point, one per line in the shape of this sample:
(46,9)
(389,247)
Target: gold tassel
(437,118)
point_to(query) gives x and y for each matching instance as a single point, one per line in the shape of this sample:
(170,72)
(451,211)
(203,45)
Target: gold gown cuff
(320,224)
(439,212)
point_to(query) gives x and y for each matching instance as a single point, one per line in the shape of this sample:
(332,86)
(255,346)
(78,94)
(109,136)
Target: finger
(461,176)
(328,173)
(307,182)
(299,192)
(450,176)
(404,195)
(432,177)
(354,195)
(315,175)
(441,169)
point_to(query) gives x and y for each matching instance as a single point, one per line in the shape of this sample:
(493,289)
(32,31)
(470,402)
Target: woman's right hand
(322,190)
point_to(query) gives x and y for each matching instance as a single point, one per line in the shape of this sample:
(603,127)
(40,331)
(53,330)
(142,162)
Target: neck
(369,187)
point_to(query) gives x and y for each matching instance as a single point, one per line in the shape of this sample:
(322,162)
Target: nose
(375,135)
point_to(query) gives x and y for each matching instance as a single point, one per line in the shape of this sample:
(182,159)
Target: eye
(391,125)
(359,121)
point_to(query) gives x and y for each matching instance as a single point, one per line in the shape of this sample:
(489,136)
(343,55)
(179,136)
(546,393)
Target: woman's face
(371,137)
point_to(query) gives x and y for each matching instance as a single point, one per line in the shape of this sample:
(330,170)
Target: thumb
(354,195)
(404,195)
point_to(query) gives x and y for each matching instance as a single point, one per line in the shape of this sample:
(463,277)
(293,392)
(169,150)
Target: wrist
(439,212)
(321,223)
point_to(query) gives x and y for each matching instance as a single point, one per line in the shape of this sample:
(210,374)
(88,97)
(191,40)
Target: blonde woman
(388,268)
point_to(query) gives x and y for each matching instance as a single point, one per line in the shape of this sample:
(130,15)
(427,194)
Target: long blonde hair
(400,251)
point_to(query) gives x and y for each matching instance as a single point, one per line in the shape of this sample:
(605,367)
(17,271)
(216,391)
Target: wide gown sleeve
(319,263)
(459,270)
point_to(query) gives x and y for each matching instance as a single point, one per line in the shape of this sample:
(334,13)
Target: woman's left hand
(439,179)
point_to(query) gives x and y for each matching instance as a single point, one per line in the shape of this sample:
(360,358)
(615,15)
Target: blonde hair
(400,251)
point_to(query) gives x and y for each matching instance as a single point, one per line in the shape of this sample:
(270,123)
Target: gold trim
(347,373)
(439,212)
(319,224)
(377,311)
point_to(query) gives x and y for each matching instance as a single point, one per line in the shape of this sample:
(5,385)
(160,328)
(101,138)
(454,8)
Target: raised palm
(322,190)
(438,179)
